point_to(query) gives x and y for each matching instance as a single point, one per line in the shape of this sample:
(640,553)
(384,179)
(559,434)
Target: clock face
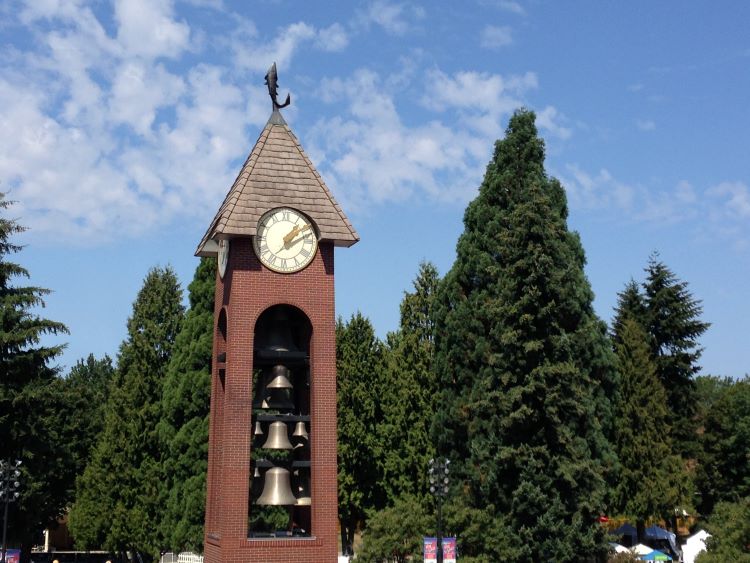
(223,257)
(285,241)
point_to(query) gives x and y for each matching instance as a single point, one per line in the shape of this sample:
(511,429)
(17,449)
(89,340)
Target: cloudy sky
(123,124)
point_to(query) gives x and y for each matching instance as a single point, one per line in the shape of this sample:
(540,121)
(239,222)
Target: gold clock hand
(294,232)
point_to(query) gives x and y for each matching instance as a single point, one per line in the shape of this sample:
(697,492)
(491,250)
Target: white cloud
(394,18)
(147,28)
(332,38)
(645,124)
(548,120)
(495,37)
(252,54)
(736,199)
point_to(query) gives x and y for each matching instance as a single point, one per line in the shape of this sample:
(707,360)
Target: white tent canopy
(694,545)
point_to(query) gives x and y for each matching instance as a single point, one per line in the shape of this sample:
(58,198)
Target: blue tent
(661,534)
(655,555)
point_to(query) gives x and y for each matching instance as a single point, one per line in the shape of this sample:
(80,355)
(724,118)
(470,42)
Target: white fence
(184,557)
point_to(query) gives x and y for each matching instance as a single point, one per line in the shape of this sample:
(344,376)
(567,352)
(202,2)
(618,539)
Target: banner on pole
(449,550)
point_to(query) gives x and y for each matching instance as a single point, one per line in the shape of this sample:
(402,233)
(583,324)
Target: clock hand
(294,232)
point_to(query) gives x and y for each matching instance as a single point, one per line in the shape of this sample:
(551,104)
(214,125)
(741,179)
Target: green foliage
(524,363)
(183,429)
(672,319)
(410,393)
(729,527)
(359,358)
(395,534)
(31,406)
(724,466)
(117,505)
(647,485)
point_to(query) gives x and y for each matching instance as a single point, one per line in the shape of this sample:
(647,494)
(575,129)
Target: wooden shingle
(277,173)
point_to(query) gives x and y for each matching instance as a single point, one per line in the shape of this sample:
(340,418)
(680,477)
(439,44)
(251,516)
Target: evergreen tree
(524,363)
(672,318)
(729,527)
(183,430)
(28,402)
(724,467)
(117,503)
(359,357)
(410,393)
(646,486)
(87,383)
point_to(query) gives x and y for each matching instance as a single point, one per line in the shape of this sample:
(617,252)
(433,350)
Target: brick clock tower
(272,492)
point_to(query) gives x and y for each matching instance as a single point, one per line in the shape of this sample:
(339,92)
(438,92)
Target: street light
(438,471)
(9,474)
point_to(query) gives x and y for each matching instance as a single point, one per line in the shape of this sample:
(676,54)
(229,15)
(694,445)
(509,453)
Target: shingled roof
(277,173)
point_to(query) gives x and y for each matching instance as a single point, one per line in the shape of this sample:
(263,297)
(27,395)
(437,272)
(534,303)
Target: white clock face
(223,257)
(285,241)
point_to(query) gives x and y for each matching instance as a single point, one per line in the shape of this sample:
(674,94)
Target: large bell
(277,437)
(279,378)
(277,490)
(302,486)
(279,399)
(278,336)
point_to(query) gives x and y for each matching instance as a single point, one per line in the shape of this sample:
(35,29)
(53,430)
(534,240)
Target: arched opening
(280,472)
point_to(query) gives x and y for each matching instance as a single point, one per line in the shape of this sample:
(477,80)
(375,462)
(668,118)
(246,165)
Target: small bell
(303,489)
(258,429)
(300,434)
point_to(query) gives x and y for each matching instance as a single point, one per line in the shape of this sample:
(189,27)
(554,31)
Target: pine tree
(524,363)
(28,402)
(183,430)
(118,494)
(647,486)
(410,393)
(673,321)
(359,357)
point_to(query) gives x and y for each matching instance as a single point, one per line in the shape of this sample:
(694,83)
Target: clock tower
(272,476)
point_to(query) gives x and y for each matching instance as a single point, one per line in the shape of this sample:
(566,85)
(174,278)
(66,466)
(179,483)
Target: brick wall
(245,292)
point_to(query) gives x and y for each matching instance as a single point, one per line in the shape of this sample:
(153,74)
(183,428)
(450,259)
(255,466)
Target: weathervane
(272,83)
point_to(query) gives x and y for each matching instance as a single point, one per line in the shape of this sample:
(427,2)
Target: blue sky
(123,124)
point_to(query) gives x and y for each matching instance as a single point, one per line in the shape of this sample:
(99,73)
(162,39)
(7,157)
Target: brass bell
(279,378)
(278,337)
(303,489)
(300,432)
(277,437)
(279,399)
(277,490)
(258,429)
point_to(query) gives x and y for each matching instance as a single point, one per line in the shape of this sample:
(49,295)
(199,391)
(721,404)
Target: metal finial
(272,83)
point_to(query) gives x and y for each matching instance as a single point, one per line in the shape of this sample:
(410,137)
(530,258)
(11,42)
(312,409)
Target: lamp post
(438,471)
(9,474)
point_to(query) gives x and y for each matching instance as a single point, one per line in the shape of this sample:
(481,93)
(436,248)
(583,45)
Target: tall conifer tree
(410,392)
(359,357)
(524,363)
(183,430)
(117,505)
(29,401)
(647,478)
(672,318)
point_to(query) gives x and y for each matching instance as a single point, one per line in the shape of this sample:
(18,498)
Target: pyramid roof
(277,173)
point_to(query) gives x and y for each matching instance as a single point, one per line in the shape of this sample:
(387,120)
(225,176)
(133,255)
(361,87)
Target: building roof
(277,173)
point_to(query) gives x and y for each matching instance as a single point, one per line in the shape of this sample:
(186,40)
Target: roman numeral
(304,252)
(285,216)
